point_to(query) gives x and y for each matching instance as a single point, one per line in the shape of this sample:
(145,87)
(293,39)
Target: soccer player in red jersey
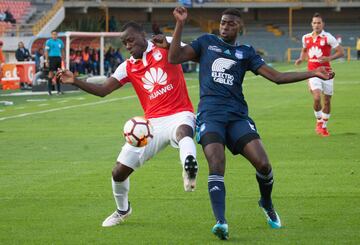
(161,89)
(317,47)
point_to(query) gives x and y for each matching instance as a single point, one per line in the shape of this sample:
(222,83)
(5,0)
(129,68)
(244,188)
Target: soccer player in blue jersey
(222,111)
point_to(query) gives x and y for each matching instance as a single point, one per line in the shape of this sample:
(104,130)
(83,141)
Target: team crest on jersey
(157,55)
(214,48)
(218,73)
(239,54)
(322,42)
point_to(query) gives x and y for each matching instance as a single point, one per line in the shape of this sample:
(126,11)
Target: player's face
(317,24)
(230,26)
(54,35)
(134,42)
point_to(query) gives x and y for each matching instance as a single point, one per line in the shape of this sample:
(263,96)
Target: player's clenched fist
(180,14)
(65,76)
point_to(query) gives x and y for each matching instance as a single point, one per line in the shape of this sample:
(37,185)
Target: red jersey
(160,86)
(318,47)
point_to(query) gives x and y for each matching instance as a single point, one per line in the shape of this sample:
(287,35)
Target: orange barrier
(9,79)
(25,71)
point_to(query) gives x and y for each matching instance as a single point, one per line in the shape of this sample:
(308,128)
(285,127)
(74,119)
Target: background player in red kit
(162,92)
(317,47)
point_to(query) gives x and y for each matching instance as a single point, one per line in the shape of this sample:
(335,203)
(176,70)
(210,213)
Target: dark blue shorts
(226,128)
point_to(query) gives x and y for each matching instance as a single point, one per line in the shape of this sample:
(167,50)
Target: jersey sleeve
(120,73)
(332,41)
(255,61)
(47,47)
(196,45)
(62,44)
(303,41)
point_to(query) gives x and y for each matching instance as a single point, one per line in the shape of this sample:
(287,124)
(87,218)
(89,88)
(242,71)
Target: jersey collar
(322,33)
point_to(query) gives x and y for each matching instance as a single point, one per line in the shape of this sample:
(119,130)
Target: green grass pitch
(57,153)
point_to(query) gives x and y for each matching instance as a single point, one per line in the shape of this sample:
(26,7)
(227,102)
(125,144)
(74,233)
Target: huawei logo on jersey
(153,77)
(218,73)
(315,52)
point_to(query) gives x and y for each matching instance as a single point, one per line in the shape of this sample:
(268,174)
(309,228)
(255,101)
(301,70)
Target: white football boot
(116,218)
(189,173)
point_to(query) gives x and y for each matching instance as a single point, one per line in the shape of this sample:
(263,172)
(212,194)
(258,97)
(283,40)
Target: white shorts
(164,134)
(325,86)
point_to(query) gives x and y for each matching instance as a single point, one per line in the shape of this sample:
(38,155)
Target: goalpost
(70,38)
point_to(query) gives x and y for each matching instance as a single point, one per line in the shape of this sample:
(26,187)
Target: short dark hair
(317,15)
(232,11)
(53,31)
(132,24)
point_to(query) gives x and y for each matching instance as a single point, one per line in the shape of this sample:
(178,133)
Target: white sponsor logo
(161,91)
(215,188)
(252,126)
(202,127)
(315,52)
(156,76)
(214,48)
(218,71)
(153,77)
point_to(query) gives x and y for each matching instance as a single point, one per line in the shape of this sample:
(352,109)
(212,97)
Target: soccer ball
(138,131)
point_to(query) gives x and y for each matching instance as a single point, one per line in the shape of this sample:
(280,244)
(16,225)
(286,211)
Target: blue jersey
(222,70)
(54,47)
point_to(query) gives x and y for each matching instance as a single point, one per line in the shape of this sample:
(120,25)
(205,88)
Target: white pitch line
(74,106)
(66,107)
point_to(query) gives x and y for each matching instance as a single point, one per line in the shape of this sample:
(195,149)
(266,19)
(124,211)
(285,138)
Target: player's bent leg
(187,151)
(316,93)
(255,153)
(215,155)
(120,186)
(326,115)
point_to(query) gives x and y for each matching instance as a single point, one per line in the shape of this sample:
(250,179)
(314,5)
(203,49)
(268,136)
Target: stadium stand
(21,11)
(266,21)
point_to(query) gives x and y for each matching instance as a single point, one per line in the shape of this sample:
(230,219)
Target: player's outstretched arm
(302,57)
(178,54)
(111,84)
(292,77)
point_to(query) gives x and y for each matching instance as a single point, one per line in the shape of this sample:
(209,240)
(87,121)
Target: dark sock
(49,85)
(265,186)
(216,188)
(58,88)
(124,212)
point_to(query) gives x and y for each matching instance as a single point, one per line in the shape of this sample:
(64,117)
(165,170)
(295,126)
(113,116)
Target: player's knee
(184,131)
(117,175)
(217,168)
(263,167)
